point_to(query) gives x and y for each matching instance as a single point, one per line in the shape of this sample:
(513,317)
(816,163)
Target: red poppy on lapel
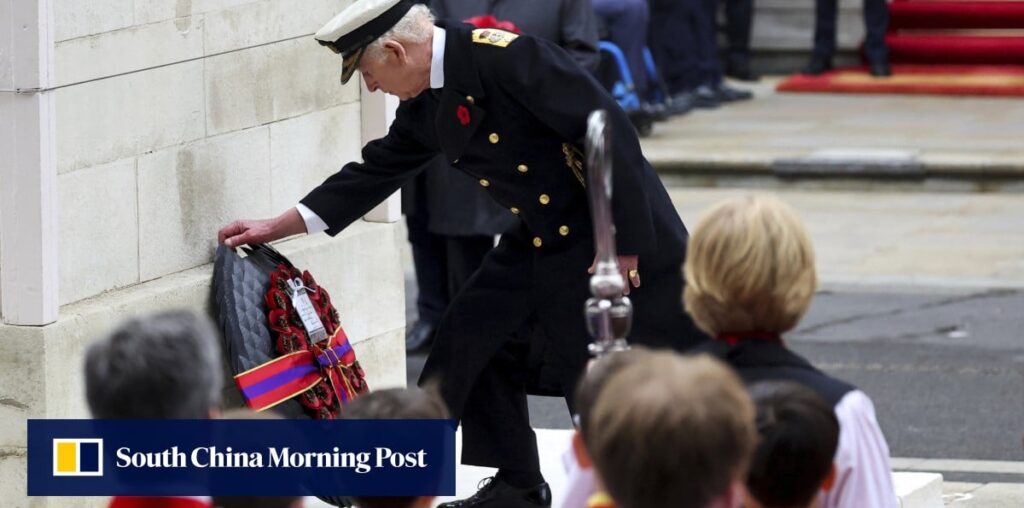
(463,114)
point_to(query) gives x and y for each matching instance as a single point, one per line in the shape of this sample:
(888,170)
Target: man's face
(393,74)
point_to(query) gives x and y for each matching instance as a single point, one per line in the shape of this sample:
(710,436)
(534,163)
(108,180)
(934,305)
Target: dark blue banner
(241,457)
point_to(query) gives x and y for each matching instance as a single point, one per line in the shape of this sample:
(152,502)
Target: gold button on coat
(544,199)
(522,168)
(514,210)
(537,242)
(484,183)
(493,138)
(564,230)
(470,99)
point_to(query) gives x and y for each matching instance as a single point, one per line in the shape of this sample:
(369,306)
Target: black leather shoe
(419,337)
(705,97)
(818,65)
(495,493)
(658,112)
(642,121)
(880,69)
(680,103)
(729,94)
(739,68)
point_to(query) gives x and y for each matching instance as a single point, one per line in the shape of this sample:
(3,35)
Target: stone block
(7,141)
(187,193)
(378,356)
(76,18)
(304,151)
(149,11)
(363,273)
(256,23)
(98,230)
(22,383)
(13,470)
(129,49)
(270,83)
(41,367)
(789,25)
(6,46)
(918,490)
(116,118)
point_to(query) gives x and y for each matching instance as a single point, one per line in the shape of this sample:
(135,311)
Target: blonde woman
(750,278)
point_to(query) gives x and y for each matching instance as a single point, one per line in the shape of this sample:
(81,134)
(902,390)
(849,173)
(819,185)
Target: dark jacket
(513,117)
(455,204)
(756,361)
(570,24)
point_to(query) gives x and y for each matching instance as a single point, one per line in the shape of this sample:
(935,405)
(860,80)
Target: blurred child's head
(590,385)
(749,267)
(799,434)
(396,404)
(674,432)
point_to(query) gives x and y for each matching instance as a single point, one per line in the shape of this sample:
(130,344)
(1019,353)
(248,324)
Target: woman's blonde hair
(749,267)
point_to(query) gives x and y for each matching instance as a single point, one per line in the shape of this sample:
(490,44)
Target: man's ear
(830,480)
(580,451)
(396,50)
(424,502)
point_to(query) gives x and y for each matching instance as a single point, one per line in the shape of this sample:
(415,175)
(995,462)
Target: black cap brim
(350,63)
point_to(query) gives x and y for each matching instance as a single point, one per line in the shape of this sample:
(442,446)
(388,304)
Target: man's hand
(628,268)
(242,232)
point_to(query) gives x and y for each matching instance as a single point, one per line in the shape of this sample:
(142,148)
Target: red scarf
(733,338)
(160,502)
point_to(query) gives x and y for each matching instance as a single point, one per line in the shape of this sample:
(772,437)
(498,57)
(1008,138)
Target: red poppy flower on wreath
(463,114)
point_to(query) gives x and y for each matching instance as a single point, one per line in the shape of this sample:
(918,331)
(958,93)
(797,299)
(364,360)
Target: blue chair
(623,89)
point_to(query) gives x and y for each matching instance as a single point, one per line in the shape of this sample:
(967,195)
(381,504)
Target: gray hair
(415,27)
(160,366)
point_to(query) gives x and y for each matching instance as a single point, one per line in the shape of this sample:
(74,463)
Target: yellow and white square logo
(77,457)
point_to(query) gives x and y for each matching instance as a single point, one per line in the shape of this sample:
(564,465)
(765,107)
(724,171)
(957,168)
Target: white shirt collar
(437,59)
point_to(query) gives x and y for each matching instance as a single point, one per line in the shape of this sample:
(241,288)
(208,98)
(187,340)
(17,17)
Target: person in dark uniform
(750,278)
(683,42)
(452,221)
(510,111)
(739,22)
(876,22)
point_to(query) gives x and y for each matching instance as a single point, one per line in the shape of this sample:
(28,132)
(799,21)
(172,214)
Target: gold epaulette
(493,37)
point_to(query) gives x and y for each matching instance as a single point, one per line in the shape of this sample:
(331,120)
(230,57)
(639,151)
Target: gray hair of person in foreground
(158,366)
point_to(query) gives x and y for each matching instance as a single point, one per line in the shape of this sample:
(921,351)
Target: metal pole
(609,314)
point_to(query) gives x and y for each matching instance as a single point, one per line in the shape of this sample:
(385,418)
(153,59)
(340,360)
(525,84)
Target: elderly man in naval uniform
(511,111)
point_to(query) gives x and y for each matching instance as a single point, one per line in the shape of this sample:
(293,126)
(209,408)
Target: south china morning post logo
(77,457)
(203,457)
(243,457)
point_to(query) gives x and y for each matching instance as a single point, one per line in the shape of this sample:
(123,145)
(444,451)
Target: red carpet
(998,81)
(924,15)
(948,47)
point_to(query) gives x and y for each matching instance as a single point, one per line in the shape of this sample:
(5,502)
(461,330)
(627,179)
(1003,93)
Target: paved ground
(942,132)
(922,293)
(921,306)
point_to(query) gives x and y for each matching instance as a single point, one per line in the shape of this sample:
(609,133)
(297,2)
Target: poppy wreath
(322,376)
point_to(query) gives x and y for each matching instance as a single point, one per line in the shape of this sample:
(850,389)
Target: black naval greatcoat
(513,114)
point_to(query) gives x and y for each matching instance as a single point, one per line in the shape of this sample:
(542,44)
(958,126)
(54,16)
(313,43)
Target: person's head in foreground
(673,432)
(255,501)
(799,434)
(749,268)
(396,404)
(590,386)
(156,366)
(388,41)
